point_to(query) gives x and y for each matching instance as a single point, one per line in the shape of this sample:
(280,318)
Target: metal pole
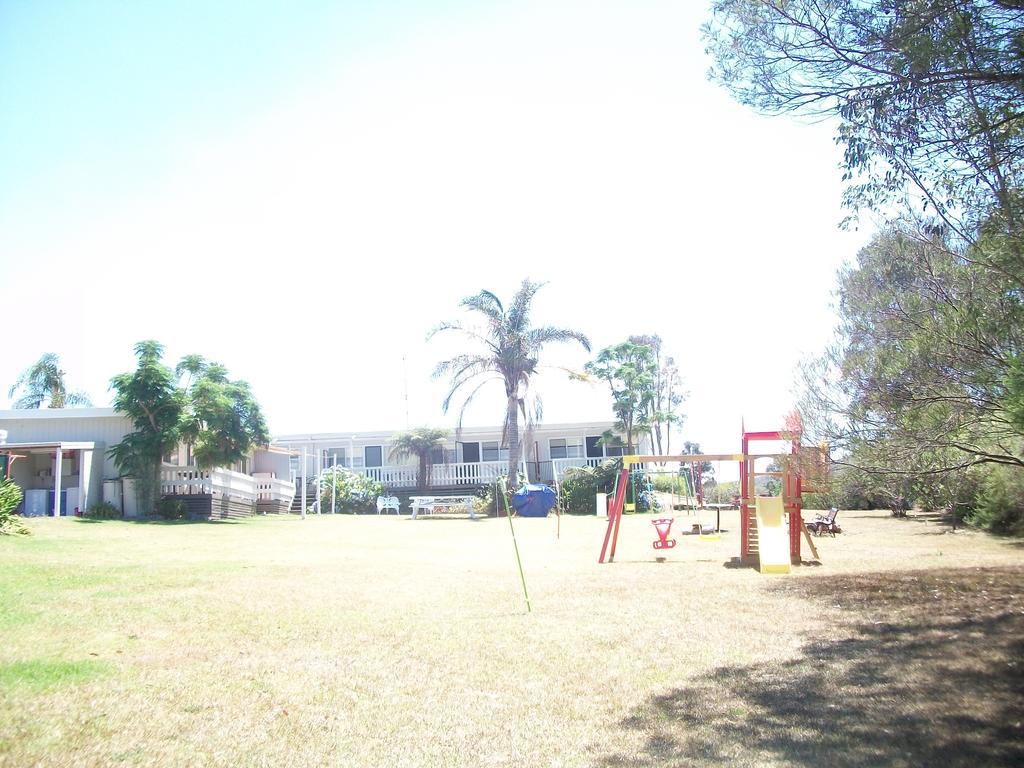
(515,545)
(303,482)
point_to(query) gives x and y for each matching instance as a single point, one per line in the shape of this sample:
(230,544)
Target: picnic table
(430,504)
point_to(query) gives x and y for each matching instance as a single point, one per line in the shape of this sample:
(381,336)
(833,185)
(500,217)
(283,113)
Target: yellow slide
(772,536)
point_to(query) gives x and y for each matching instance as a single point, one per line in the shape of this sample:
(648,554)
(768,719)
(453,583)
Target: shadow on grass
(921,668)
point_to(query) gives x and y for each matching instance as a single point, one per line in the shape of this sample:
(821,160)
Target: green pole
(515,545)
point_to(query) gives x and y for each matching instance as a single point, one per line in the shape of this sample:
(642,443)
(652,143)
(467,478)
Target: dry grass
(379,641)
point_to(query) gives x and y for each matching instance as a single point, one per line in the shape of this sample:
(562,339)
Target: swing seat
(663,526)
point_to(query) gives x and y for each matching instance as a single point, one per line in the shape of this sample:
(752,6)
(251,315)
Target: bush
(103,510)
(171,509)
(999,503)
(10,498)
(581,483)
(353,493)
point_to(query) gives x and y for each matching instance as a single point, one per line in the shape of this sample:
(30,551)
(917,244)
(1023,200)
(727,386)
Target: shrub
(172,509)
(999,503)
(103,510)
(581,483)
(485,503)
(353,493)
(10,498)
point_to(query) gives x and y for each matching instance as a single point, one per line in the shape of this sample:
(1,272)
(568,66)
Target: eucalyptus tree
(420,442)
(928,94)
(668,394)
(507,351)
(43,382)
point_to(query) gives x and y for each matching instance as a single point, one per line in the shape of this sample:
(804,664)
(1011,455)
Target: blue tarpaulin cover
(534,500)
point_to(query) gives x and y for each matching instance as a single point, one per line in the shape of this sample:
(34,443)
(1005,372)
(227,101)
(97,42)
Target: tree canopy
(151,398)
(667,394)
(420,442)
(222,420)
(927,93)
(218,417)
(629,369)
(507,350)
(43,382)
(922,393)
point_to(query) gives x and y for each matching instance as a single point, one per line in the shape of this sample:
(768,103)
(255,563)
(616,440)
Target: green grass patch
(46,674)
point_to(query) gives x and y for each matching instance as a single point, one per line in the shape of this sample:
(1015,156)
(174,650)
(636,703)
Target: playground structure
(763,519)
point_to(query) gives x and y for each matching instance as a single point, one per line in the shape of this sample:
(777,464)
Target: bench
(388,502)
(431,504)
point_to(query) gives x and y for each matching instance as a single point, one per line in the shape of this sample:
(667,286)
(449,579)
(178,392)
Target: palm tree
(44,381)
(510,352)
(421,443)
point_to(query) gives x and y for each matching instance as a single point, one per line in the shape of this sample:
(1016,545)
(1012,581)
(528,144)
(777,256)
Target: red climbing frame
(791,489)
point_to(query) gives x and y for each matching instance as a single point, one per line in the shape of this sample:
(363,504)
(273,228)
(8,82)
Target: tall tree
(629,370)
(222,420)
(928,92)
(420,442)
(510,350)
(921,376)
(43,382)
(668,394)
(218,417)
(151,398)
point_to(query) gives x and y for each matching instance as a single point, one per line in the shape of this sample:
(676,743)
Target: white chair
(388,502)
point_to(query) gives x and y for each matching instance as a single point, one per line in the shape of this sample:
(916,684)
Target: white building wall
(349,444)
(103,426)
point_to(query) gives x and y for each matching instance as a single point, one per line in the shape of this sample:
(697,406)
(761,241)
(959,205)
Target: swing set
(763,536)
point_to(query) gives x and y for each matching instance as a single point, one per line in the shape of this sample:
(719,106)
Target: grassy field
(383,641)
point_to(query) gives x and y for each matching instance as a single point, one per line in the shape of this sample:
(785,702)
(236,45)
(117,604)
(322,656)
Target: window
(566,447)
(595,450)
(471,452)
(491,452)
(439,455)
(330,454)
(374,455)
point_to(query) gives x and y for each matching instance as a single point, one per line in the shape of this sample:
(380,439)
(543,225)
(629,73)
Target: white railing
(273,489)
(392,477)
(441,475)
(188,481)
(468,473)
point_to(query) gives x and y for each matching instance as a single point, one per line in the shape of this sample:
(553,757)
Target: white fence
(272,489)
(392,477)
(441,475)
(188,481)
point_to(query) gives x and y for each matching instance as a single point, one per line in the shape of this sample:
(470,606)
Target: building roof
(61,413)
(63,445)
(573,427)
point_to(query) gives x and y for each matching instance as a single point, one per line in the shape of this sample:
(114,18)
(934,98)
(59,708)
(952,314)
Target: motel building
(60,459)
(470,457)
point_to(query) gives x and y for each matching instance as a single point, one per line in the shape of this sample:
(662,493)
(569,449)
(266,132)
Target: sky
(302,191)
